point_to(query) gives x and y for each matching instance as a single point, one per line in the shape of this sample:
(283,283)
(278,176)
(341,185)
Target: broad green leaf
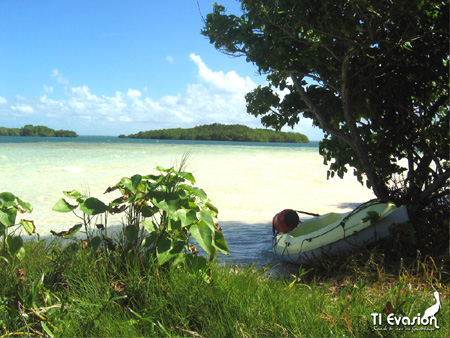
(177,247)
(132,183)
(95,242)
(63,206)
(164,170)
(195,191)
(21,253)
(93,206)
(165,201)
(136,180)
(165,251)
(29,226)
(220,243)
(185,216)
(69,233)
(212,208)
(149,240)
(203,235)
(14,244)
(7,199)
(148,225)
(174,224)
(148,211)
(132,233)
(152,177)
(74,194)
(191,217)
(206,217)
(26,206)
(188,176)
(2,229)
(8,217)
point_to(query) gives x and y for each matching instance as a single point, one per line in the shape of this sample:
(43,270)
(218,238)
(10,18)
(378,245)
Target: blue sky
(110,67)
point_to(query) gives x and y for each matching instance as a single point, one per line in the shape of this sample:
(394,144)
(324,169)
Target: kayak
(336,233)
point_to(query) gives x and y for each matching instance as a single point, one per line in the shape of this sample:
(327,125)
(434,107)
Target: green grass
(81,292)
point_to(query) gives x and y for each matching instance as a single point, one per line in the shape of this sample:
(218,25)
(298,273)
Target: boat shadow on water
(251,244)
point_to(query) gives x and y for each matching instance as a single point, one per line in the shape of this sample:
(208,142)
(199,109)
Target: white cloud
(214,96)
(134,94)
(3,100)
(58,76)
(230,81)
(48,90)
(170,59)
(23,108)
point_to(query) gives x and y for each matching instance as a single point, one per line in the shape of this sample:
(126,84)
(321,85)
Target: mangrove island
(221,132)
(38,131)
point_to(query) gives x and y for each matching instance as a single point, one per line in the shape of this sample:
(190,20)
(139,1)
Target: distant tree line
(30,130)
(221,132)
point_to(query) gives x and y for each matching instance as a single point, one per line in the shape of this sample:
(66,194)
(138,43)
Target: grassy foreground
(80,292)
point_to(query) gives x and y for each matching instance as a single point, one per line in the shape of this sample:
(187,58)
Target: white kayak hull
(334,234)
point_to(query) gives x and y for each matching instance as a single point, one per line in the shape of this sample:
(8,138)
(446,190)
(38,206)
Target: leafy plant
(163,212)
(10,205)
(165,215)
(90,207)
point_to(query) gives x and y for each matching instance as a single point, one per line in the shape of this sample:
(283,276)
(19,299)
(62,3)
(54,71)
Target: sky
(111,67)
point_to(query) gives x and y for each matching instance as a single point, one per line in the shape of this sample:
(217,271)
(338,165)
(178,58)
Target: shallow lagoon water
(248,182)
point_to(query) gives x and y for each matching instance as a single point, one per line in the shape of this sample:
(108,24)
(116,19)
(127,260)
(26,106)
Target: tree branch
(316,111)
(438,183)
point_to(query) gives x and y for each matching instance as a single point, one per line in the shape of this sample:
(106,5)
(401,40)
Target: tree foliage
(372,74)
(222,132)
(41,131)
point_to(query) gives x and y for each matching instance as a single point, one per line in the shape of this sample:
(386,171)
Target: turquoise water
(248,182)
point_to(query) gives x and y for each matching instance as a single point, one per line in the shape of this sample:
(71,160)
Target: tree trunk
(353,140)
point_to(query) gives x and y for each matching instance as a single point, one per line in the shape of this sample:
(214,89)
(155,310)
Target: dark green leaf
(7,199)
(8,217)
(14,244)
(132,233)
(93,206)
(174,224)
(95,242)
(63,206)
(166,251)
(220,243)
